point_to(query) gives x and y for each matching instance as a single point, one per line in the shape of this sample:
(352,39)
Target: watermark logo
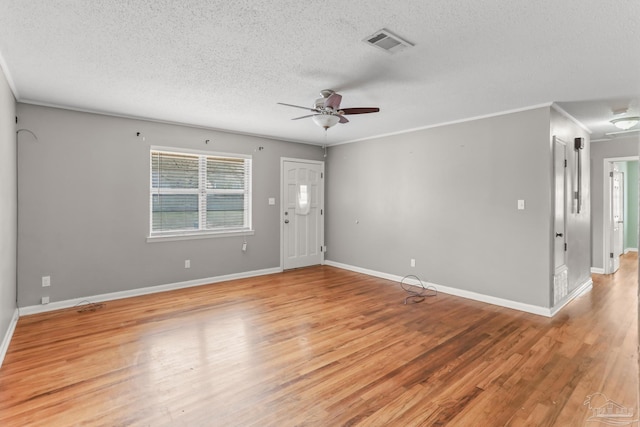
(608,412)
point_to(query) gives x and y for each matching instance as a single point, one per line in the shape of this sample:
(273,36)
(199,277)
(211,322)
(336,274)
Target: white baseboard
(57,305)
(597,270)
(579,291)
(528,308)
(8,335)
(627,250)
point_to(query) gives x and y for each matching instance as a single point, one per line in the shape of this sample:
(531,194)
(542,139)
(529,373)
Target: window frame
(202,192)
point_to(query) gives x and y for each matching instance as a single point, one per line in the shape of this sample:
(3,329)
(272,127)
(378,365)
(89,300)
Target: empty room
(319,213)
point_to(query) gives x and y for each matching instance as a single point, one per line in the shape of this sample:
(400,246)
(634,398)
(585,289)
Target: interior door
(560,282)
(560,204)
(302,216)
(617,216)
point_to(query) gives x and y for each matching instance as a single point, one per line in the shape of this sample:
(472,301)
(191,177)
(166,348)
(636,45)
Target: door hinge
(565,247)
(565,163)
(321,211)
(610,174)
(321,249)
(321,175)
(610,254)
(16,119)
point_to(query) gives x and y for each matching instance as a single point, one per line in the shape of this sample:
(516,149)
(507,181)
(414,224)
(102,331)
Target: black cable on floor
(417,296)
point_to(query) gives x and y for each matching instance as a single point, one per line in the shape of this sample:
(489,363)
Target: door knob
(286,221)
(558,234)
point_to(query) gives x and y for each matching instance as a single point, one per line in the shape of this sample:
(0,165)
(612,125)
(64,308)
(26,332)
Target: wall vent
(387,41)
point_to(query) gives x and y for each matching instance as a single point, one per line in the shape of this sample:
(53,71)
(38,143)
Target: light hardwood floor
(323,347)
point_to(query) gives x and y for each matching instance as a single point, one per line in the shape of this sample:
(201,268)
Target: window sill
(194,236)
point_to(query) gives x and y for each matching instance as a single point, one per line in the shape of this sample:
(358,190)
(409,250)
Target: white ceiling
(225,64)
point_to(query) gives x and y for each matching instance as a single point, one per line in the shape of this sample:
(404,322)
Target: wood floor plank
(322,346)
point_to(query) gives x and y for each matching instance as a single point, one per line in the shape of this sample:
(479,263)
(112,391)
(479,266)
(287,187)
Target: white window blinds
(199,193)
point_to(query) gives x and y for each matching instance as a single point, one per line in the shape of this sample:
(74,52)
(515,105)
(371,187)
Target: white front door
(302,213)
(617,219)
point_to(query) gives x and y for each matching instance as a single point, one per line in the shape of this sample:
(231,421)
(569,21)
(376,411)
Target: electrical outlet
(413,262)
(244,246)
(187,263)
(45,300)
(46,281)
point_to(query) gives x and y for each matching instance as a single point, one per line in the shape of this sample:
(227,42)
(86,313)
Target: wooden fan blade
(359,110)
(333,101)
(315,110)
(304,117)
(343,119)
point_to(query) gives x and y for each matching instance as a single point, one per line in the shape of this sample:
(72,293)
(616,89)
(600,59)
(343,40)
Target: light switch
(520,205)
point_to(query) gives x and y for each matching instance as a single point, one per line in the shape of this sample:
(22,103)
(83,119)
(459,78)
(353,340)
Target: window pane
(225,174)
(175,212)
(174,171)
(225,210)
(199,192)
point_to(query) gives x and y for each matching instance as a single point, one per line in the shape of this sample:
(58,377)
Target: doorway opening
(620,210)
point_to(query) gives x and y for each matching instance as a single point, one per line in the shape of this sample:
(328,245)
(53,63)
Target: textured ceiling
(225,65)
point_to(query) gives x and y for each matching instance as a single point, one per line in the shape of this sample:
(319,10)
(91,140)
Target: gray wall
(447,196)
(84,206)
(577,224)
(619,147)
(8,205)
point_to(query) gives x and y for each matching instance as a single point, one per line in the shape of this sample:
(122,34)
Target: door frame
(282,206)
(607,201)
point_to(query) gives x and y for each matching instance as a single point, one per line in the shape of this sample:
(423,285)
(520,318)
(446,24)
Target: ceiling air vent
(387,41)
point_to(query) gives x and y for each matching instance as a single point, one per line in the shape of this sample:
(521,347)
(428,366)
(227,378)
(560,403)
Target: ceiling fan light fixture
(325,120)
(625,123)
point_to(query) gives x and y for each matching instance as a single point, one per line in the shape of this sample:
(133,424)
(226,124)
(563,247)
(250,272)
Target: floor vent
(87,306)
(387,41)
